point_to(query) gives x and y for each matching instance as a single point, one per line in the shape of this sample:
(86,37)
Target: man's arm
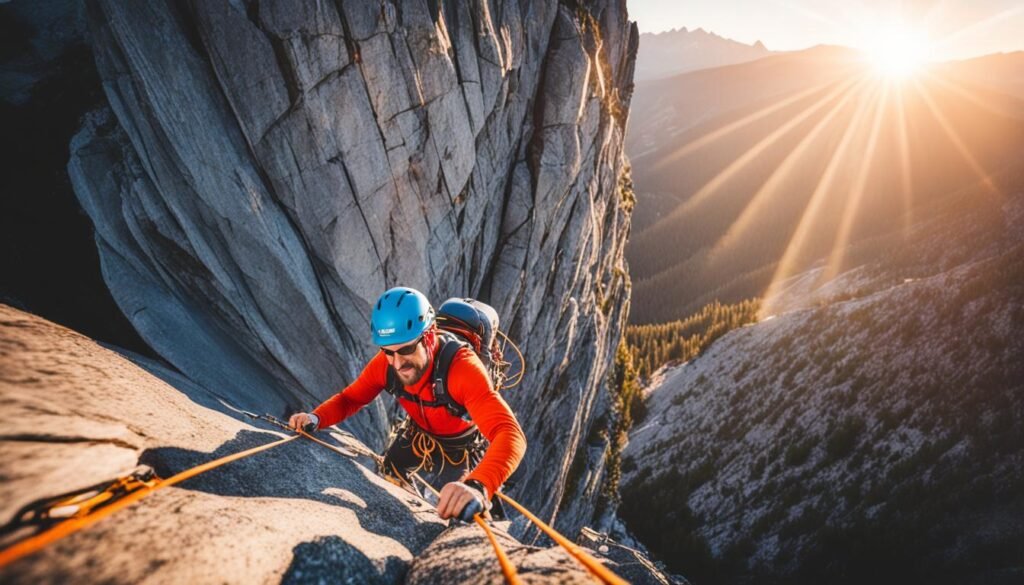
(356,395)
(470,386)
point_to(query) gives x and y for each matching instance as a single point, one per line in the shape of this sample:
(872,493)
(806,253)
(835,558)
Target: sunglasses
(404,350)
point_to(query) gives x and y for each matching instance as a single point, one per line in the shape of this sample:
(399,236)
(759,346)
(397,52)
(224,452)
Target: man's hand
(298,421)
(455,496)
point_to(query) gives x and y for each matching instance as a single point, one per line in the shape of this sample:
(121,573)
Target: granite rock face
(265,169)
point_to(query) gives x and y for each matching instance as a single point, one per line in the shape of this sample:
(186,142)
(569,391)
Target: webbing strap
(593,565)
(72,525)
(395,388)
(449,346)
(445,354)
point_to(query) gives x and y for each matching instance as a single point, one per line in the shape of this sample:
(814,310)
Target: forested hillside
(869,431)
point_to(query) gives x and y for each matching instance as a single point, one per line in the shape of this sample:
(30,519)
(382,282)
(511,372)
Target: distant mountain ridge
(999,71)
(680,50)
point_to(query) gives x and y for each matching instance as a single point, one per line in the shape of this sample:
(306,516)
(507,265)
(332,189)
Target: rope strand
(511,576)
(507,569)
(598,570)
(518,376)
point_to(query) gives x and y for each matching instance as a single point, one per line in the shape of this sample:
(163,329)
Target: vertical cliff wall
(265,169)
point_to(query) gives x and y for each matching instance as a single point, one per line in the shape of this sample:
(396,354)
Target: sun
(896,51)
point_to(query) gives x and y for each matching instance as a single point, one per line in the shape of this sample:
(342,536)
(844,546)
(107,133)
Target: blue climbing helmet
(401,315)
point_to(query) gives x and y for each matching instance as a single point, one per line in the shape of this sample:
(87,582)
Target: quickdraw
(78,503)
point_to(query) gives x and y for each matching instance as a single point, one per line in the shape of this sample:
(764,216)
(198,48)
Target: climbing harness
(424,446)
(95,514)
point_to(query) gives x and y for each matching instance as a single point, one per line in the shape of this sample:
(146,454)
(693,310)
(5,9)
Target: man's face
(410,368)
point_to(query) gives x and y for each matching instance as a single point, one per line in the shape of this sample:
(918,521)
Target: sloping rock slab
(77,414)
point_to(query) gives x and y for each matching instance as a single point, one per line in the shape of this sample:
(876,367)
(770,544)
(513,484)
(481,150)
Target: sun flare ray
(969,95)
(984,176)
(856,194)
(764,193)
(752,153)
(951,38)
(724,131)
(906,180)
(808,221)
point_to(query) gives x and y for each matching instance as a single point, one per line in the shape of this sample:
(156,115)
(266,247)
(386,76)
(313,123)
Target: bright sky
(954,30)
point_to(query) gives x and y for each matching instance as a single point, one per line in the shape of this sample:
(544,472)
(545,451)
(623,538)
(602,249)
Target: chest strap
(449,346)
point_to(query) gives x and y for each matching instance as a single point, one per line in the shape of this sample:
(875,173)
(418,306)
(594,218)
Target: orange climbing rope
(76,523)
(511,576)
(424,445)
(593,565)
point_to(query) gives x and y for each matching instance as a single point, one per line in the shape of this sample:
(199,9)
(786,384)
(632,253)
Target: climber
(432,441)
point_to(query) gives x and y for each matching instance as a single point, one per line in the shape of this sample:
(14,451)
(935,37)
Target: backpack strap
(442,363)
(395,388)
(449,346)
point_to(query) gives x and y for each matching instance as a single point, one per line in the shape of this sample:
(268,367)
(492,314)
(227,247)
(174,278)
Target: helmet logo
(387,331)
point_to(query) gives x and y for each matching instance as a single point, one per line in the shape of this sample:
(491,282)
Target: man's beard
(410,376)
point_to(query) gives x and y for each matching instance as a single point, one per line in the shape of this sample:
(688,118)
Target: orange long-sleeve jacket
(469,385)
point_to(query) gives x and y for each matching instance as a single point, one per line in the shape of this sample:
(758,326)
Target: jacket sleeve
(470,386)
(356,395)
